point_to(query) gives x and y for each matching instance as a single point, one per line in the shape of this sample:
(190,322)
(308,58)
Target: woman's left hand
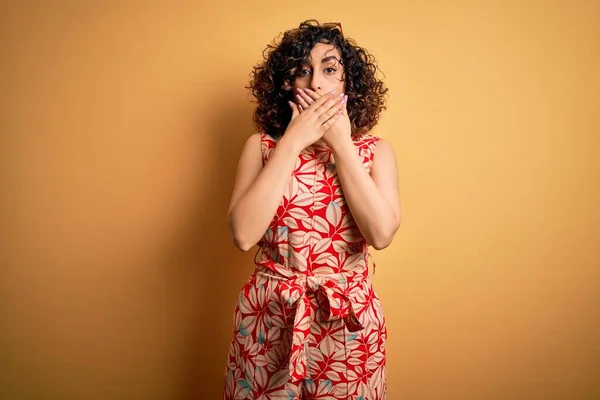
(340,130)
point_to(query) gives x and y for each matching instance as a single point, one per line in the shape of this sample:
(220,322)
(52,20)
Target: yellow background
(123,125)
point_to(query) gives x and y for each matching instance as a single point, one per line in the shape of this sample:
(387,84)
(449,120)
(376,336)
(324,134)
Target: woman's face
(324,74)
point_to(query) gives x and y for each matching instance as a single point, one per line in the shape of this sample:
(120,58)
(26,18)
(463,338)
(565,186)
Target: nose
(315,85)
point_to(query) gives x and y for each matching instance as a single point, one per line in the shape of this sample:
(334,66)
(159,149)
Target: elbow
(242,245)
(380,245)
(240,242)
(384,241)
(237,240)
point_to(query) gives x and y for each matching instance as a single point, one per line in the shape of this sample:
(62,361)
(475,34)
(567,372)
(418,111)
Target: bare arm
(373,200)
(258,190)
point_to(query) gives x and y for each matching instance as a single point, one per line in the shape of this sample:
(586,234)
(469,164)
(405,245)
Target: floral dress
(308,323)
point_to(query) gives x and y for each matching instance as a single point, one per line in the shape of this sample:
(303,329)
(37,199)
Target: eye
(301,73)
(332,69)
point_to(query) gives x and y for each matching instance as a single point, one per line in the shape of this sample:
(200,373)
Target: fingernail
(332,92)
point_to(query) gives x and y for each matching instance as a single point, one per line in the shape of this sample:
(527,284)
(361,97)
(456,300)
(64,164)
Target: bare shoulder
(254,138)
(249,166)
(252,148)
(384,172)
(383,151)
(384,167)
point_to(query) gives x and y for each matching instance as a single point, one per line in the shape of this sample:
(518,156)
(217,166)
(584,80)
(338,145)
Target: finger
(300,107)
(294,108)
(317,103)
(345,108)
(301,101)
(327,124)
(324,117)
(313,95)
(307,97)
(334,102)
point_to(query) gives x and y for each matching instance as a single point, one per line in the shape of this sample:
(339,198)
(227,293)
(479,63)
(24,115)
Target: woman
(313,193)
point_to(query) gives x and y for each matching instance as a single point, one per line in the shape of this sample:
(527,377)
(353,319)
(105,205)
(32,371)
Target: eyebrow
(328,58)
(325,59)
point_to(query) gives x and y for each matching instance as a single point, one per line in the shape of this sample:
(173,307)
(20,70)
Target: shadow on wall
(209,269)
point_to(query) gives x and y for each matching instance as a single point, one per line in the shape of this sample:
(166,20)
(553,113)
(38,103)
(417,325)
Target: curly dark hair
(272,79)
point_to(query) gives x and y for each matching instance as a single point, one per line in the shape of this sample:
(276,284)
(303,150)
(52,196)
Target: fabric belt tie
(333,304)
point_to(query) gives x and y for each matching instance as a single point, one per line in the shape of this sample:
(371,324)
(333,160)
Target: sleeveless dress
(308,323)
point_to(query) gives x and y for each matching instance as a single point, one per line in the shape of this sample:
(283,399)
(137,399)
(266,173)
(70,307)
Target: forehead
(322,50)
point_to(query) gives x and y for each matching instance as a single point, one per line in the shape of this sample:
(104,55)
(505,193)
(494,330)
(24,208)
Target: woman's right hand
(309,126)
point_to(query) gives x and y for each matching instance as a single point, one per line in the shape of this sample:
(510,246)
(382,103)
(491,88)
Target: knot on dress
(333,303)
